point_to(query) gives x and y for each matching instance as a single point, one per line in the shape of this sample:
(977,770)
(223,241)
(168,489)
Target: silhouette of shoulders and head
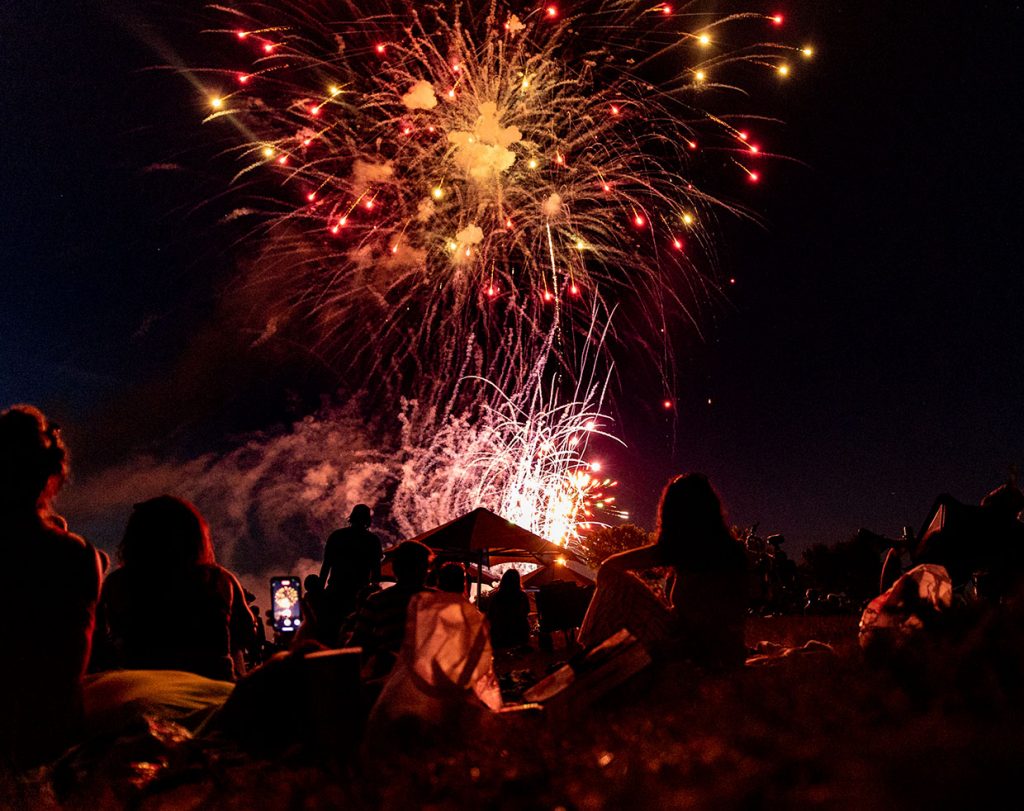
(169,605)
(411,563)
(692,530)
(40,687)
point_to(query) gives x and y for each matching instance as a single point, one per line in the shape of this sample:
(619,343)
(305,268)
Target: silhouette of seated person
(707,598)
(380,620)
(1003,557)
(170,606)
(47,631)
(508,612)
(444,672)
(352,558)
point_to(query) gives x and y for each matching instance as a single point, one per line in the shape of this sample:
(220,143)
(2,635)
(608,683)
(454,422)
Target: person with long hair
(169,606)
(707,600)
(51,585)
(508,611)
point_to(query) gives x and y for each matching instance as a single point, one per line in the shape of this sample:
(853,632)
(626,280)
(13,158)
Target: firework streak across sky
(455,188)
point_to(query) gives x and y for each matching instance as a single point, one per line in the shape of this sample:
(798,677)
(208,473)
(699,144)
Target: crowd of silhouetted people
(167,605)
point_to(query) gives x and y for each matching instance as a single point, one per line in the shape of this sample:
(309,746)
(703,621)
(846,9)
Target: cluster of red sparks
(425,160)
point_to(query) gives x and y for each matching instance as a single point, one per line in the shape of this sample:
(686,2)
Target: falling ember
(639,221)
(666,404)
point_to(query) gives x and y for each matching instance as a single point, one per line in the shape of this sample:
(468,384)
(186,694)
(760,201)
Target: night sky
(869,356)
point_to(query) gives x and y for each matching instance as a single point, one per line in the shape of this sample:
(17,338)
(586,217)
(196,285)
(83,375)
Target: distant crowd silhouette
(169,606)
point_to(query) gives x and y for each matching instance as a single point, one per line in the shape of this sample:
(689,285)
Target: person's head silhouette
(411,562)
(511,581)
(360,516)
(451,577)
(33,460)
(691,522)
(166,534)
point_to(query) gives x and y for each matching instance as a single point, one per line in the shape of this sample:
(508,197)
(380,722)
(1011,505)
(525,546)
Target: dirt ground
(818,729)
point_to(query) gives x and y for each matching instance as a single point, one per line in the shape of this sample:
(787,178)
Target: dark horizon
(869,357)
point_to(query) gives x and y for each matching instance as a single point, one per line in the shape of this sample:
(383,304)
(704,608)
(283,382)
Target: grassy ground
(815,730)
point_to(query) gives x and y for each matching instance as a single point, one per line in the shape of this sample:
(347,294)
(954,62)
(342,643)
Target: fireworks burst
(448,192)
(435,173)
(525,456)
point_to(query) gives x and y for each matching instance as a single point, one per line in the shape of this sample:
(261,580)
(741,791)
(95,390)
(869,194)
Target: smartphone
(285,593)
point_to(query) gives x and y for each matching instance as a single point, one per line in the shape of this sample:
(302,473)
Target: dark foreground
(810,730)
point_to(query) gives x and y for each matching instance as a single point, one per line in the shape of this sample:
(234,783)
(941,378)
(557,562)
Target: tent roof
(553,573)
(481,530)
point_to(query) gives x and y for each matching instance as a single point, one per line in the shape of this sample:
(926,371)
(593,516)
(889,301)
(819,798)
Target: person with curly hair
(50,587)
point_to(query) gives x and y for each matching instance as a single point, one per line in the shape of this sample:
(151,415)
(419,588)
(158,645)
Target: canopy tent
(555,573)
(482,533)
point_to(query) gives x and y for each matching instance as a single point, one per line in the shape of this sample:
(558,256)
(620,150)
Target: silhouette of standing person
(352,558)
(48,631)
(708,599)
(508,611)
